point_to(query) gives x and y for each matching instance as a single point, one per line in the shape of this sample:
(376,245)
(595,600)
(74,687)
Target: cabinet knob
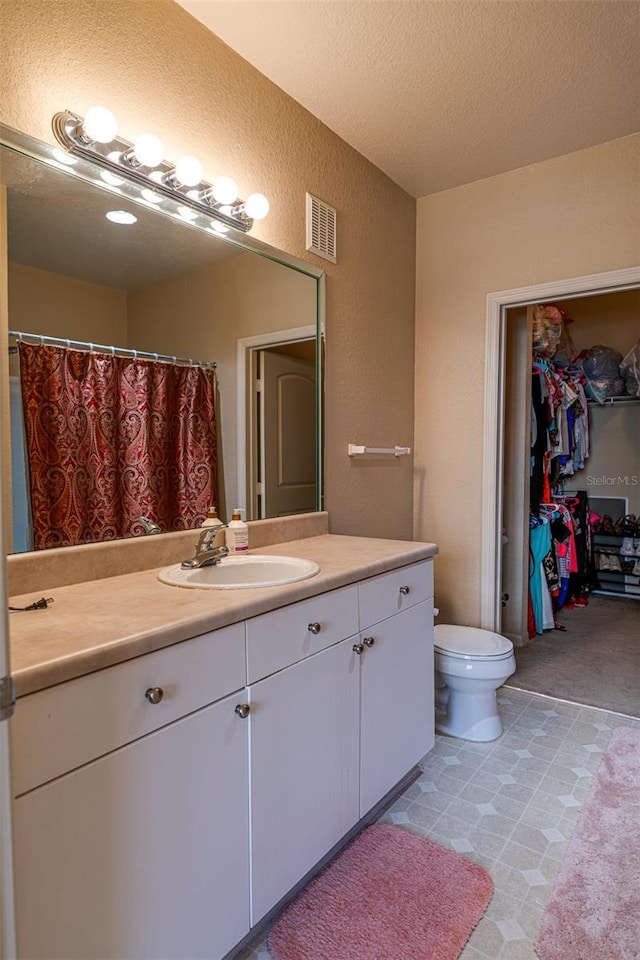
(154,694)
(358,648)
(369,641)
(314,628)
(243,710)
(405,590)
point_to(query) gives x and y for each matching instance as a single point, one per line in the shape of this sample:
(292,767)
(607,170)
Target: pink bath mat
(390,895)
(594,909)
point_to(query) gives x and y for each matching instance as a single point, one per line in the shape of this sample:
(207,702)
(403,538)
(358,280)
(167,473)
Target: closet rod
(113,351)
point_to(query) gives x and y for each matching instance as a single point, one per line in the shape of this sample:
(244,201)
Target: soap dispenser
(212,519)
(237,536)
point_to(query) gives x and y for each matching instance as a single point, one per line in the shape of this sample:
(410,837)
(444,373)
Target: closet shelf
(610,400)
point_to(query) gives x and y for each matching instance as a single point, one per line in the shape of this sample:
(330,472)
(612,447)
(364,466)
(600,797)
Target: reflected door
(288,430)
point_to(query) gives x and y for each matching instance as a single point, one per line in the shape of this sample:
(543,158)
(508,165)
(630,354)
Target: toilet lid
(471,642)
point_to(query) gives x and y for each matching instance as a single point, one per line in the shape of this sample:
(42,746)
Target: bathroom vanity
(174,784)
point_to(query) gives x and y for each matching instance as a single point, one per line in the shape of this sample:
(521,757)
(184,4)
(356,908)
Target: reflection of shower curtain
(110,439)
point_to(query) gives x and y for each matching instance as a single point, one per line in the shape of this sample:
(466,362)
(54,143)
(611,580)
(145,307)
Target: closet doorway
(597,658)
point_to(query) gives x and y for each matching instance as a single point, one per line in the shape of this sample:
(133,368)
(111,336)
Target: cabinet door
(304,768)
(396,700)
(143,853)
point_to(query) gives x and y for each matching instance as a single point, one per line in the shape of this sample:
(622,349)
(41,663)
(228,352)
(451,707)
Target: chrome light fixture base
(68,131)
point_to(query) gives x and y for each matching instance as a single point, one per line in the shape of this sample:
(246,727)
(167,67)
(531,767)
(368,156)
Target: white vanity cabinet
(396,680)
(332,734)
(304,734)
(141,852)
(165,805)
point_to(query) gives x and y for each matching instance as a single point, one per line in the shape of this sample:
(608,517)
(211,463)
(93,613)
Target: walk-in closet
(571,553)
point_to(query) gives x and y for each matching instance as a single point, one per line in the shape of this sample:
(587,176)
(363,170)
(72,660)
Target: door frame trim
(246,346)
(493,433)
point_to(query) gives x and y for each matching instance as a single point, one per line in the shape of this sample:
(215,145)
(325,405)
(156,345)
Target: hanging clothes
(559,428)
(559,529)
(539,547)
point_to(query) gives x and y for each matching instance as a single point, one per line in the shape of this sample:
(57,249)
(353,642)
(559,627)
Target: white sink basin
(241,572)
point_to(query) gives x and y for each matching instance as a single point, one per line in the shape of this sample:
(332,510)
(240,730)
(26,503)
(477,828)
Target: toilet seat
(471,643)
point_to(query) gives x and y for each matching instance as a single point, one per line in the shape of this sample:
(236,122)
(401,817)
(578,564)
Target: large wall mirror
(169,287)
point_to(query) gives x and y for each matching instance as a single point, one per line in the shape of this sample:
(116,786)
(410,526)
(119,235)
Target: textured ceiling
(444,92)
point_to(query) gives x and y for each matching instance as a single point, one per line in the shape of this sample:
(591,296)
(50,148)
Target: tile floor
(510,805)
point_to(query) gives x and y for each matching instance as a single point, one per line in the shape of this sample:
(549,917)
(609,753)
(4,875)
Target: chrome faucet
(207,554)
(150,526)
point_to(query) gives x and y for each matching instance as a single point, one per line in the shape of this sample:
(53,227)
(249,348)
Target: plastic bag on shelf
(546,320)
(566,352)
(630,370)
(601,366)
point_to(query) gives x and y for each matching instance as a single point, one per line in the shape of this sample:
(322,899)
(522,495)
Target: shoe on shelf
(628,548)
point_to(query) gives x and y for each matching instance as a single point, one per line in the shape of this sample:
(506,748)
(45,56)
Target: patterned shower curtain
(110,439)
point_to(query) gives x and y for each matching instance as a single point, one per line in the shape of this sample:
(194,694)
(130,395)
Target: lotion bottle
(237,534)
(212,519)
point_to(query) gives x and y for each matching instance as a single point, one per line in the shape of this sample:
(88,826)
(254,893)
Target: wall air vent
(321,229)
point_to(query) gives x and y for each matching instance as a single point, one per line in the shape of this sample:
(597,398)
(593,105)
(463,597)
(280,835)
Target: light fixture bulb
(150,196)
(148,150)
(219,227)
(225,190)
(187,213)
(111,178)
(99,125)
(63,157)
(121,216)
(256,206)
(188,171)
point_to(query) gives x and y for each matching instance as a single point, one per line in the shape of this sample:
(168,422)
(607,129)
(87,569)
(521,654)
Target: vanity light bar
(118,157)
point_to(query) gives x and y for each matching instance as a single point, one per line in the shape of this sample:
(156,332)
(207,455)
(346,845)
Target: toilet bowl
(470,666)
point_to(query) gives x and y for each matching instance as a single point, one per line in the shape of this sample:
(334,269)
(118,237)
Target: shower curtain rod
(114,351)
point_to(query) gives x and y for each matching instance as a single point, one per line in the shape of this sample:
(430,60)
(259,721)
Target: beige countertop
(98,623)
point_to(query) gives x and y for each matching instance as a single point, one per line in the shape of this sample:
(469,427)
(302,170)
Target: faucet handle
(208,535)
(150,526)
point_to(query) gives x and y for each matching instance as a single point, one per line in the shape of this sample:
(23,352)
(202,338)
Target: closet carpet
(595,662)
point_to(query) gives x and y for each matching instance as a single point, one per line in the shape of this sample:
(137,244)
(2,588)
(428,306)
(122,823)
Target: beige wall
(567,217)
(199,96)
(611,319)
(54,305)
(613,469)
(204,313)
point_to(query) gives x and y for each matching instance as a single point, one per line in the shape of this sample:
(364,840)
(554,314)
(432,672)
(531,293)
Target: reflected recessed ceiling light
(63,157)
(111,179)
(121,216)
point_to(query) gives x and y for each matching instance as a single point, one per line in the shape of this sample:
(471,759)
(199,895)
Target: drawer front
(278,639)
(389,593)
(55,730)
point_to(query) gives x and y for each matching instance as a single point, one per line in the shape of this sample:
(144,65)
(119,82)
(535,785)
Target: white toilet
(470,666)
